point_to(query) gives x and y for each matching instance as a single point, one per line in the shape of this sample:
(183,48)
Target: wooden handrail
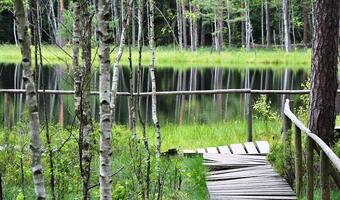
(335,160)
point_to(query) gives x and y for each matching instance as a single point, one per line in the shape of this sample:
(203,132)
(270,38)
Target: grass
(190,171)
(172,57)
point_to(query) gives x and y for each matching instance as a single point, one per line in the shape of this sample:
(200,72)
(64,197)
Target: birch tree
(105,182)
(154,99)
(179,23)
(268,24)
(115,76)
(82,36)
(31,99)
(286,25)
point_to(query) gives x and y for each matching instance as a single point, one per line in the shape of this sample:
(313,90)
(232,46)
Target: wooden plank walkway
(241,171)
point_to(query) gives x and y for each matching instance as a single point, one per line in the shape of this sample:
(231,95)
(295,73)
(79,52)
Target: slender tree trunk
(262,26)
(268,24)
(305,23)
(133,25)
(82,36)
(184,24)
(139,80)
(31,99)
(179,23)
(286,25)
(126,23)
(202,34)
(324,68)
(228,24)
(116,20)
(248,25)
(105,180)
(154,100)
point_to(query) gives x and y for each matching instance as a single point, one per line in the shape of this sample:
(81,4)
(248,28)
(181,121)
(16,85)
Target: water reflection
(173,109)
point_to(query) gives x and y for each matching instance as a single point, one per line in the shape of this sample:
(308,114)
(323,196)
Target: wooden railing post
(250,118)
(286,125)
(298,161)
(310,172)
(324,176)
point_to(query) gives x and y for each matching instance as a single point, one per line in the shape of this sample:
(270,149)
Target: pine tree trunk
(105,180)
(324,68)
(228,24)
(286,25)
(268,25)
(202,42)
(31,99)
(154,99)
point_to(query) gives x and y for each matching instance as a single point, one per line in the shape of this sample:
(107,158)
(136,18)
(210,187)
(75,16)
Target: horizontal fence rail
(160,93)
(326,156)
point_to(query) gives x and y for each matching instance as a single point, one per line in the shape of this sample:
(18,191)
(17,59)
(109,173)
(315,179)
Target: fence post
(310,172)
(324,176)
(7,121)
(250,118)
(286,125)
(298,161)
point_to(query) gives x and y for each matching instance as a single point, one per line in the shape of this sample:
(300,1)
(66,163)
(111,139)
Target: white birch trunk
(119,54)
(286,25)
(105,171)
(154,100)
(31,99)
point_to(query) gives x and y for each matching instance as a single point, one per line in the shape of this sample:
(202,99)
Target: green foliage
(6,5)
(66,28)
(304,101)
(262,107)
(276,157)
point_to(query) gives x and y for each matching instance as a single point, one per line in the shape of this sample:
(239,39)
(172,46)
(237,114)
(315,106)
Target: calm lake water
(172,109)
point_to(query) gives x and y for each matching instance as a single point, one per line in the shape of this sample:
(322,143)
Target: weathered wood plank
(201,151)
(250,148)
(263,146)
(224,150)
(212,150)
(237,149)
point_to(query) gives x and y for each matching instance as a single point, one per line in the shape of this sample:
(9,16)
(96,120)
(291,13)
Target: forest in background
(187,24)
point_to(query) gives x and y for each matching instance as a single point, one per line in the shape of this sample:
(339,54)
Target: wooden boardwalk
(241,171)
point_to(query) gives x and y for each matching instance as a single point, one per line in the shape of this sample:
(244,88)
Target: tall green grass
(175,58)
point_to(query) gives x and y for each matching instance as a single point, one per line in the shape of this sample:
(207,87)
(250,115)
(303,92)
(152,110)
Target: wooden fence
(248,92)
(327,156)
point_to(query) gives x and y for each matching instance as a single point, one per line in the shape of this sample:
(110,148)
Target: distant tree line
(189,24)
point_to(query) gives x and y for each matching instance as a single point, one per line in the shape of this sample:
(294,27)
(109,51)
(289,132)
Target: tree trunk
(116,20)
(286,25)
(105,181)
(262,26)
(324,68)
(228,24)
(82,77)
(268,25)
(248,26)
(305,23)
(154,100)
(202,42)
(184,24)
(31,99)
(126,23)
(179,23)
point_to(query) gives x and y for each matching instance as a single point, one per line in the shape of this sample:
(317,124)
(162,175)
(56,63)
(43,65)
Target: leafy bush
(262,107)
